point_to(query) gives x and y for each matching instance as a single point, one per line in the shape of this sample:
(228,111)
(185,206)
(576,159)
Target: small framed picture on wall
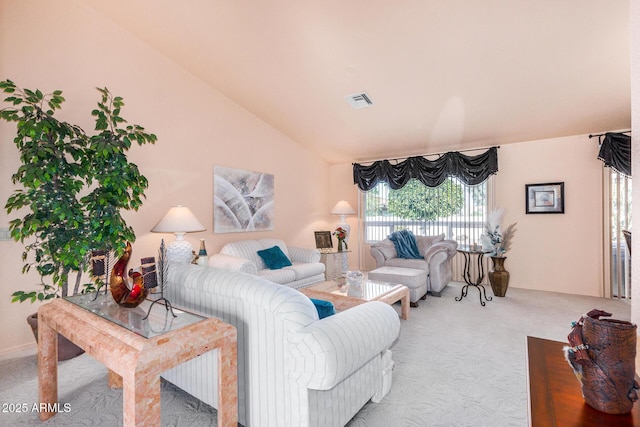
(545,198)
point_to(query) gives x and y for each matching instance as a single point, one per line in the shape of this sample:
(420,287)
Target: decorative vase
(203,258)
(341,245)
(499,277)
(125,294)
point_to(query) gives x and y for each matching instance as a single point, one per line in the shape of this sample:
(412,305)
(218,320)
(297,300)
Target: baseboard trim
(19,350)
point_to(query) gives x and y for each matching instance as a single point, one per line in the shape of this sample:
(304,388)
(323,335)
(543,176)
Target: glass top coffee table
(347,296)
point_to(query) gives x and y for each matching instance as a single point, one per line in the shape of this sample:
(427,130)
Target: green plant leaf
(72,185)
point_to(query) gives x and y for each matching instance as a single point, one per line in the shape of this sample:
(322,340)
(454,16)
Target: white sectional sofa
(306,268)
(293,369)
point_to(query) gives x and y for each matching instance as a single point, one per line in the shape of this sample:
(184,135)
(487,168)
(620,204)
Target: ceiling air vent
(359,100)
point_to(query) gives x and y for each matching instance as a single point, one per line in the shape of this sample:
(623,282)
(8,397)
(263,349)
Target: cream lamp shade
(343,208)
(179,220)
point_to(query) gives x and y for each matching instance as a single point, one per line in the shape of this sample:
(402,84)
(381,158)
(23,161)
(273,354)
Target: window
(620,222)
(453,208)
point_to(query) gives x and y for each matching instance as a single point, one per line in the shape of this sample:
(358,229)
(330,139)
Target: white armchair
(436,252)
(292,366)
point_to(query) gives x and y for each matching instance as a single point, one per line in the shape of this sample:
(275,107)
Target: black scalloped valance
(615,152)
(471,170)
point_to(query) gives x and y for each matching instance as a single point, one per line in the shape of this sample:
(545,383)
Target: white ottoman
(412,278)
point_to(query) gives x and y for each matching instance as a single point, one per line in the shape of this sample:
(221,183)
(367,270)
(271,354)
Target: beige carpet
(456,364)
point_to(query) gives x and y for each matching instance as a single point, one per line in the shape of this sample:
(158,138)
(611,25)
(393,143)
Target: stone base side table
(336,263)
(136,353)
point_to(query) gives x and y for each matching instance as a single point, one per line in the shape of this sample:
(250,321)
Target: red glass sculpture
(124,293)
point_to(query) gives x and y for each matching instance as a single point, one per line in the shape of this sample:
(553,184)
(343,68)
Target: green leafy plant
(419,202)
(74,187)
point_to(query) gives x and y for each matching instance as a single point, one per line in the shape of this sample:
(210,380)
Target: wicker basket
(602,354)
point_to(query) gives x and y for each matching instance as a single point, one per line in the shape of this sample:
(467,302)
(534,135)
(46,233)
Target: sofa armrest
(382,251)
(447,246)
(377,255)
(329,350)
(303,254)
(233,263)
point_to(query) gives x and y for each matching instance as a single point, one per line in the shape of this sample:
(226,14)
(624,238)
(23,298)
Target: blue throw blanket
(406,244)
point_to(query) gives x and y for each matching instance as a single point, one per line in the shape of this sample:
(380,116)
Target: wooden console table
(555,397)
(136,351)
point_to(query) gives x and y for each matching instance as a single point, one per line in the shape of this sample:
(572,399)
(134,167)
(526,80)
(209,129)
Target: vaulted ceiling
(442,75)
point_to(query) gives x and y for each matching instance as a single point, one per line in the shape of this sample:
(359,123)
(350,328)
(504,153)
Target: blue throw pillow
(274,258)
(325,308)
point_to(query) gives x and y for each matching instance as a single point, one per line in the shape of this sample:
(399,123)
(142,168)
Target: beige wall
(560,253)
(554,252)
(197,128)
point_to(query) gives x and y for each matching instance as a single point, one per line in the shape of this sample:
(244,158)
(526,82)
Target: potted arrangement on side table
(73,189)
(341,235)
(500,241)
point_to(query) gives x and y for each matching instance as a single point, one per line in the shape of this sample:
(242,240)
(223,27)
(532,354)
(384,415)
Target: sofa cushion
(419,264)
(303,270)
(247,249)
(268,243)
(282,276)
(413,278)
(274,258)
(410,277)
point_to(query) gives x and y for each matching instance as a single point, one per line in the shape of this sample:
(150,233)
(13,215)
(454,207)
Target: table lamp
(343,208)
(179,220)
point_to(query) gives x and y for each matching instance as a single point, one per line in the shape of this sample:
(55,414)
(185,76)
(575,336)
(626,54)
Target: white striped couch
(243,256)
(293,369)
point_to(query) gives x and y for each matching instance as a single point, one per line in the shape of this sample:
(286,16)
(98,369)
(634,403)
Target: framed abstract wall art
(243,200)
(545,198)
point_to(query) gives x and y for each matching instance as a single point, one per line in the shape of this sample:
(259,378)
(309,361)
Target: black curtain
(615,152)
(471,170)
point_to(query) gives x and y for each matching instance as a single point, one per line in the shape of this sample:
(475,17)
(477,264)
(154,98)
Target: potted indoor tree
(73,188)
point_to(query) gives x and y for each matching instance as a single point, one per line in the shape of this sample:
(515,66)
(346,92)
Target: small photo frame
(545,198)
(323,240)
